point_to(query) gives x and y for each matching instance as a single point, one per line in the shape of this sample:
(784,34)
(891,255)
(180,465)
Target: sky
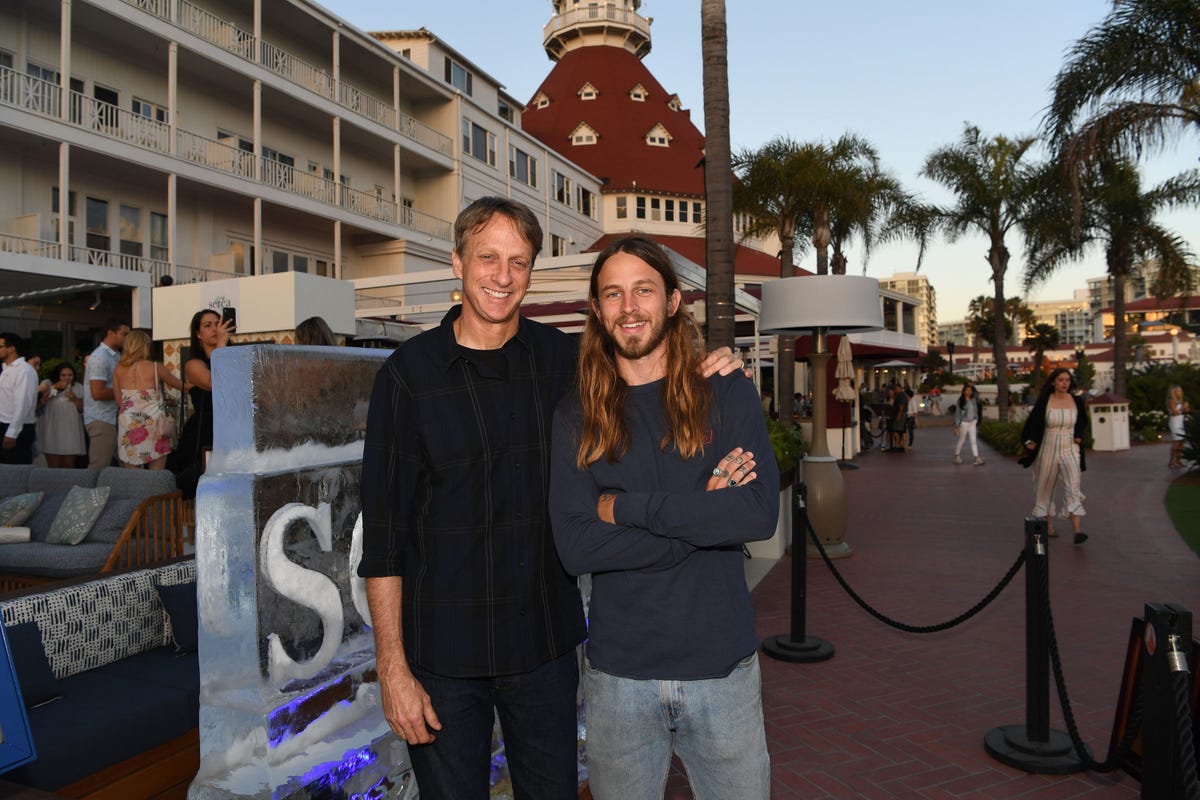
(905,76)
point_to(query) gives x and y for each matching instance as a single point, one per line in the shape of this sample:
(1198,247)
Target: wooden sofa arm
(153,534)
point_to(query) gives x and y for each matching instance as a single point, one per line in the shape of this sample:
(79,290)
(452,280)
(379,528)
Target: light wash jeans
(716,727)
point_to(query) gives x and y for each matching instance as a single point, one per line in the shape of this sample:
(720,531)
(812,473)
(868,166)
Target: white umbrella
(844,372)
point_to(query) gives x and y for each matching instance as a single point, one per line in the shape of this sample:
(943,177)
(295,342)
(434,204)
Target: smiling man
(641,498)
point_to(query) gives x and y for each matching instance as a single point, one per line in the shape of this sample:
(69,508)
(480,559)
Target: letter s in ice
(358,586)
(302,586)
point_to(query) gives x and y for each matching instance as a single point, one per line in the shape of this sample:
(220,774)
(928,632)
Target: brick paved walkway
(897,715)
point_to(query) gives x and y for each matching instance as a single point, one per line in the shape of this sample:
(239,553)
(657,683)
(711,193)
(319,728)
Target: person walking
(967,413)
(62,419)
(1177,408)
(911,421)
(1053,436)
(142,440)
(18,402)
(641,498)
(99,401)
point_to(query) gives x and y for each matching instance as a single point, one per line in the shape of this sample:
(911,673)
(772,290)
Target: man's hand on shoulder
(721,360)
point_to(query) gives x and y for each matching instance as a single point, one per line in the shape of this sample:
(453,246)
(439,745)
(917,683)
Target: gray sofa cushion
(16,509)
(43,517)
(139,483)
(113,520)
(14,479)
(54,481)
(54,560)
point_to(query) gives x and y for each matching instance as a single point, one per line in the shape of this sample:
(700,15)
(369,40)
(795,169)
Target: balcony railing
(205,25)
(154,267)
(42,97)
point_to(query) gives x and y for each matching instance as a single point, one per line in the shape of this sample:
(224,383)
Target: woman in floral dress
(137,384)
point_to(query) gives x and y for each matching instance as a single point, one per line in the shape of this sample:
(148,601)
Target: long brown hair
(602,392)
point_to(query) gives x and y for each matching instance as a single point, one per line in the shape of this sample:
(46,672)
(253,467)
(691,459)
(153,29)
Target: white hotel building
(209,139)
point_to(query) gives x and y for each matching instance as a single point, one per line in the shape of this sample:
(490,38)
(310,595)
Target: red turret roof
(621,158)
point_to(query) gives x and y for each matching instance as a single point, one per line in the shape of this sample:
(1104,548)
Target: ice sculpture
(289,701)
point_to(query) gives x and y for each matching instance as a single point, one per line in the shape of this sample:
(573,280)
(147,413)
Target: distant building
(918,286)
(1072,318)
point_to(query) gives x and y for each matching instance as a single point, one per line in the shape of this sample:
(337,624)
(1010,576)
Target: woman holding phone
(209,331)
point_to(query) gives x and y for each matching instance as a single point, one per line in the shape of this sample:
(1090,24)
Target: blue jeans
(538,720)
(716,727)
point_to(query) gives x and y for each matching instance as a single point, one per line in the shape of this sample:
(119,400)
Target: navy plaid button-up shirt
(454,497)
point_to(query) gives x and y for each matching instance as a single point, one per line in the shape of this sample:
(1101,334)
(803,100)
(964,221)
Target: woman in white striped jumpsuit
(1053,435)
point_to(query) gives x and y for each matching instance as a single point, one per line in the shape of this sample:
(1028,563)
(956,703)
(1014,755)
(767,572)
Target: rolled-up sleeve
(390,472)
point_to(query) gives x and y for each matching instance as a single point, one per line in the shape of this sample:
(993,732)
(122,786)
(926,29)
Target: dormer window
(638,93)
(584,134)
(540,100)
(658,137)
(674,103)
(588,92)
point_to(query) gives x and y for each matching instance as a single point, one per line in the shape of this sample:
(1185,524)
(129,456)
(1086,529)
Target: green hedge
(1005,437)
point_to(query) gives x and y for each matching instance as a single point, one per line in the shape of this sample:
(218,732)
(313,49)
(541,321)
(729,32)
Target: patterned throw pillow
(77,514)
(16,509)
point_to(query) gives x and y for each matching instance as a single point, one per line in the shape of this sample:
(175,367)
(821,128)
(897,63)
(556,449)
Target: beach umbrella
(844,372)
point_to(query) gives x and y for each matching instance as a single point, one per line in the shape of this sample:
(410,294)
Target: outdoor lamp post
(822,304)
(950,355)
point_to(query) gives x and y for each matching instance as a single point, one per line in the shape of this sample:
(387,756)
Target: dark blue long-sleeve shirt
(669,597)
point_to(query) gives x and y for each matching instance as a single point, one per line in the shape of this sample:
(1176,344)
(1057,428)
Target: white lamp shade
(835,303)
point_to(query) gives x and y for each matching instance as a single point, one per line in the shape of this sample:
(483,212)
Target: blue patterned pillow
(77,514)
(16,509)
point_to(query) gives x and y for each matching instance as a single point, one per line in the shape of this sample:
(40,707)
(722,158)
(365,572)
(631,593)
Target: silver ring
(733,482)
(718,472)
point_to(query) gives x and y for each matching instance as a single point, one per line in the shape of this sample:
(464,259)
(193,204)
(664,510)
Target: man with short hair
(641,498)
(474,616)
(99,401)
(18,402)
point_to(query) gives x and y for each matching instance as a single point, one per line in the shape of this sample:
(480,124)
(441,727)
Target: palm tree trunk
(1120,341)
(718,177)
(821,239)
(785,354)
(998,258)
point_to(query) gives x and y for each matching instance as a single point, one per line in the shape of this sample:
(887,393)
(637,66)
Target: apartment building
(917,286)
(195,140)
(1072,318)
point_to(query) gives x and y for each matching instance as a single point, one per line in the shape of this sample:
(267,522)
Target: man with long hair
(473,614)
(658,478)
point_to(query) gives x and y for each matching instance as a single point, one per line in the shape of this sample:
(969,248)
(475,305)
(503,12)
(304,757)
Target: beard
(633,348)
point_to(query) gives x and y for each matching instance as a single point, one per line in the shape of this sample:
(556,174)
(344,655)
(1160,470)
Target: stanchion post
(1033,747)
(1167,643)
(797,646)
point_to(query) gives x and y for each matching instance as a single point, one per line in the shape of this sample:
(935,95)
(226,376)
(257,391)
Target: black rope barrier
(1180,686)
(865,606)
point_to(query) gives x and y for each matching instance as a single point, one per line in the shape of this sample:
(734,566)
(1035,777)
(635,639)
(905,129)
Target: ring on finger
(719,473)
(733,482)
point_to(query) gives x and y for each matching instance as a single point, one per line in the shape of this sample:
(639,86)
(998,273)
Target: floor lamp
(822,304)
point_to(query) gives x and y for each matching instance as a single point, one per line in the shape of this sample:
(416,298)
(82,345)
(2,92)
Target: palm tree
(871,207)
(718,178)
(993,186)
(1130,82)
(770,189)
(1042,337)
(1114,212)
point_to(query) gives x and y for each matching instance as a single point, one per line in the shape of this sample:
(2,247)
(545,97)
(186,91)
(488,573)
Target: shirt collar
(455,351)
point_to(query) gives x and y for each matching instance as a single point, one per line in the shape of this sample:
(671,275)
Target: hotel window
(655,209)
(674,104)
(588,92)
(584,135)
(158,236)
(670,211)
(558,245)
(622,208)
(563,187)
(641,208)
(638,93)
(280,261)
(541,101)
(458,76)
(144,108)
(97,224)
(587,203)
(658,137)
(683,210)
(479,142)
(697,211)
(70,214)
(522,166)
(131,231)
(505,111)
(6,59)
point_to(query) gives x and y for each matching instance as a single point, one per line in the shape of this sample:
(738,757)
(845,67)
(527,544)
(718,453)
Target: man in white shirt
(18,402)
(99,402)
